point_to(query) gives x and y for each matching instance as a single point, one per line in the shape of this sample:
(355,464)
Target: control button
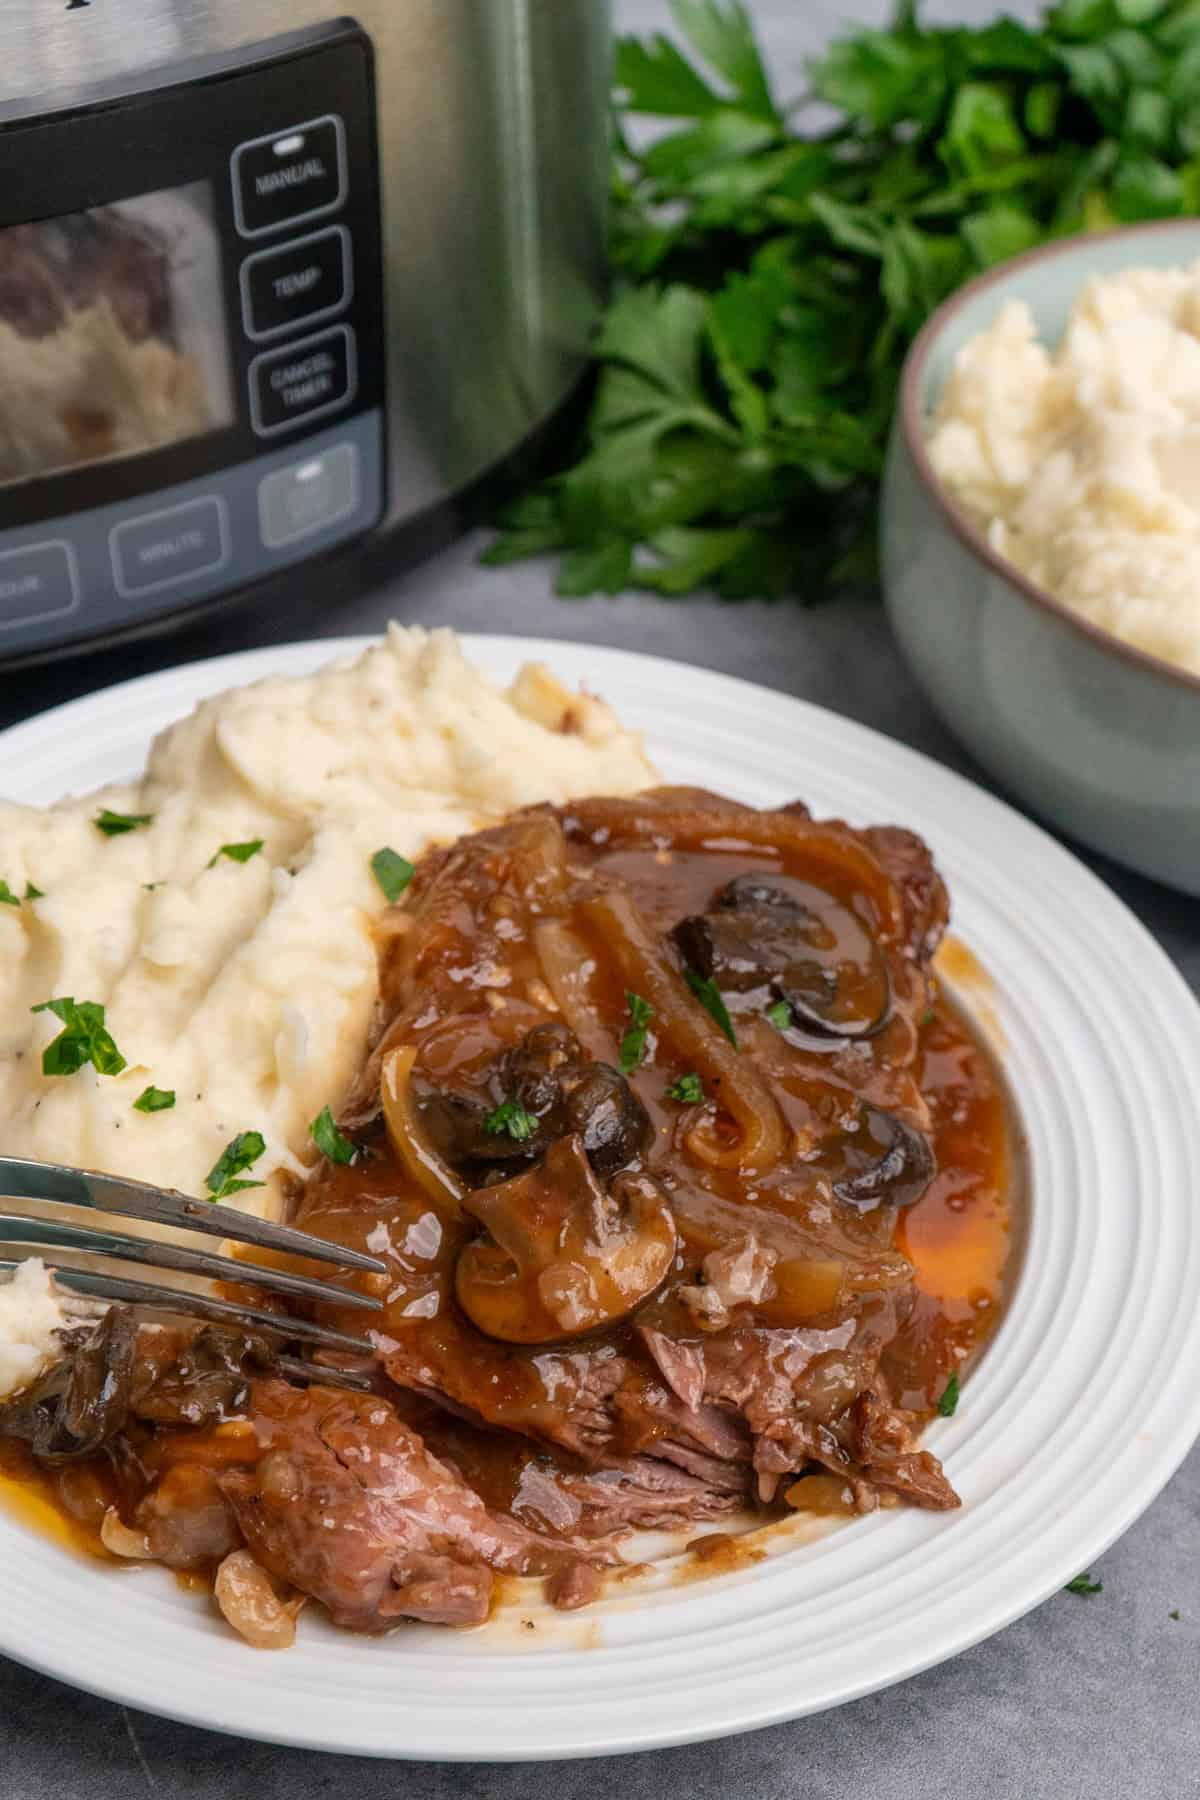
(38,582)
(175,544)
(301,381)
(297,284)
(308,496)
(292,175)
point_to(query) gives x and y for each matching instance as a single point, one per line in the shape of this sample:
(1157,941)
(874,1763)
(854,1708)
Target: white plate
(1083,1407)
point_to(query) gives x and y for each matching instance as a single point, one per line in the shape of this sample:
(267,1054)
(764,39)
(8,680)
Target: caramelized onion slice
(566,962)
(427,1167)
(247,1596)
(682,1021)
(562,1256)
(119,1540)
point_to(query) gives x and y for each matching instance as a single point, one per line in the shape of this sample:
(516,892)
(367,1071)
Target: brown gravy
(960,1235)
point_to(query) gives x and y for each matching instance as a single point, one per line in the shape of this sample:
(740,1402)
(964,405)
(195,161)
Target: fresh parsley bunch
(774,263)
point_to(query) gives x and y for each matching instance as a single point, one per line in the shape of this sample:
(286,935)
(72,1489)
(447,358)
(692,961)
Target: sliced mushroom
(785,939)
(209,1381)
(82,1402)
(534,1071)
(899,1176)
(563,1093)
(109,1375)
(529,1075)
(455,1124)
(562,1255)
(609,1118)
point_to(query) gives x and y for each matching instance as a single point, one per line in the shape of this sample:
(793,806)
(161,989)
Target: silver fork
(21,1179)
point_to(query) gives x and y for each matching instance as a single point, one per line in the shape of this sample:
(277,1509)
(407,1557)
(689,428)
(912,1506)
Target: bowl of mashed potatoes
(1041,535)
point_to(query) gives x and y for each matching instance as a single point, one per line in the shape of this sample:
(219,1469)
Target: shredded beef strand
(349,1506)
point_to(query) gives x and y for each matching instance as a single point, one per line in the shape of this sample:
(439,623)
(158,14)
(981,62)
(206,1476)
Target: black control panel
(265,161)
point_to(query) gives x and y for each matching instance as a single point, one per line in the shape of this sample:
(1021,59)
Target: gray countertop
(1085,1698)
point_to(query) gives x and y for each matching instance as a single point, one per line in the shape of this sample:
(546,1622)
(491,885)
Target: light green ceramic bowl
(1099,738)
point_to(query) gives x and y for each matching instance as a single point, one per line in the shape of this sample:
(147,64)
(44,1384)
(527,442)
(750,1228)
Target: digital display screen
(112,333)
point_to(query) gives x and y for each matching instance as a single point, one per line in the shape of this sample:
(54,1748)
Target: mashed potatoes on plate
(246,987)
(31,1316)
(1082,464)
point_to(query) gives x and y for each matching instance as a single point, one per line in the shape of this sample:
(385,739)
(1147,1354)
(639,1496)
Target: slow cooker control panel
(196,271)
(282,184)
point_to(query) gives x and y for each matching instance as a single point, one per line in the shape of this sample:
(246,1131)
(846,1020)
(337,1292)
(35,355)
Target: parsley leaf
(633,1044)
(115,824)
(512,1118)
(653,77)
(725,39)
(948,1402)
(329,1140)
(84,1039)
(152,1100)
(239,853)
(1083,1584)
(393,872)
(709,995)
(239,1153)
(688,1090)
(7,897)
(769,278)
(780,1015)
(33,893)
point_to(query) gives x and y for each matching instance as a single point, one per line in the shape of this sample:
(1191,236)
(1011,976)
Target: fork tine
(325,1377)
(21,1179)
(200,1306)
(33,1233)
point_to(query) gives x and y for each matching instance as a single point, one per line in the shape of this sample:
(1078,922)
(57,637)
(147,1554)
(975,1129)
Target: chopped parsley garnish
(238,1154)
(329,1140)
(152,1100)
(633,1044)
(948,1403)
(393,872)
(709,995)
(928,1016)
(239,853)
(8,898)
(84,1039)
(115,824)
(1174,1613)
(512,1118)
(1083,1584)
(688,1090)
(780,1015)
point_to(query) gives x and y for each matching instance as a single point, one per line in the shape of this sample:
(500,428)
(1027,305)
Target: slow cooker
(274,282)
